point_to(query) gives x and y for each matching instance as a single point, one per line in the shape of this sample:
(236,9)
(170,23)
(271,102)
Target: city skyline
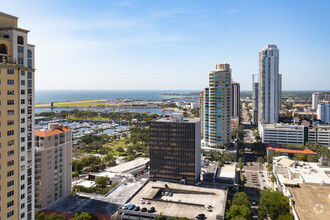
(139,41)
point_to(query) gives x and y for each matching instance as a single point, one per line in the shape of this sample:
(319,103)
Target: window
(22,111)
(23,177)
(29,75)
(10,123)
(10,133)
(20,61)
(29,83)
(10,214)
(10,183)
(3,49)
(22,120)
(20,40)
(22,205)
(22,139)
(20,49)
(10,82)
(10,153)
(22,92)
(22,101)
(10,173)
(10,204)
(22,196)
(22,82)
(10,92)
(22,73)
(29,53)
(22,130)
(29,63)
(10,143)
(10,102)
(10,112)
(22,187)
(10,163)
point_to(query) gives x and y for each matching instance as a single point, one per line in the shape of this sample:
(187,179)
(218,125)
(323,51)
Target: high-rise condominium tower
(235,99)
(255,91)
(16,121)
(270,85)
(217,107)
(53,164)
(319,96)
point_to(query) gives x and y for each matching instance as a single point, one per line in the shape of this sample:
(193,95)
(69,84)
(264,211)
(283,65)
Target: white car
(142,201)
(208,208)
(148,202)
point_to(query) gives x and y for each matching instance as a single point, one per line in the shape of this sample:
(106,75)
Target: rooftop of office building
(176,117)
(171,199)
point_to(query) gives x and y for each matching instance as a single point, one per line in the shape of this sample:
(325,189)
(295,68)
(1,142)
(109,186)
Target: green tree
(272,204)
(102,181)
(240,163)
(287,216)
(85,216)
(240,207)
(260,160)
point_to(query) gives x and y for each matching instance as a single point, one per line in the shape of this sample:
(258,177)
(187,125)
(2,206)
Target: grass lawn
(114,145)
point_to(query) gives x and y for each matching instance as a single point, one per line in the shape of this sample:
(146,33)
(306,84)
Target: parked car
(137,208)
(148,202)
(208,208)
(142,201)
(200,216)
(152,209)
(144,209)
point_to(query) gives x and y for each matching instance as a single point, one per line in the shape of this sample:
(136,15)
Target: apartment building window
(20,49)
(29,83)
(10,82)
(22,101)
(22,120)
(22,92)
(22,186)
(10,112)
(10,193)
(10,173)
(10,143)
(10,204)
(22,196)
(22,111)
(10,163)
(22,82)
(10,92)
(29,63)
(22,149)
(23,215)
(10,214)
(20,40)
(22,139)
(10,102)
(22,130)
(22,73)
(10,133)
(10,183)
(10,153)
(10,123)
(22,158)
(23,177)
(10,71)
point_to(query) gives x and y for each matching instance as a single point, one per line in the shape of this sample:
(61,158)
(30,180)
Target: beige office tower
(217,107)
(16,121)
(53,164)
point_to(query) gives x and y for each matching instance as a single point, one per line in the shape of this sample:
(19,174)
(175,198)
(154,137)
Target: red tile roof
(51,132)
(286,150)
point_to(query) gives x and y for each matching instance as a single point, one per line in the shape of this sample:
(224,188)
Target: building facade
(319,96)
(175,148)
(323,112)
(255,91)
(53,156)
(217,107)
(235,99)
(270,85)
(16,121)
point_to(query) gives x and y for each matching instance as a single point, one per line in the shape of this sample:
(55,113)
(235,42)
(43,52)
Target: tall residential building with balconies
(53,156)
(235,99)
(270,85)
(255,91)
(317,97)
(16,121)
(217,107)
(323,112)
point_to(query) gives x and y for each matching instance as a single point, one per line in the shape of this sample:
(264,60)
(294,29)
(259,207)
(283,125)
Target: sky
(173,44)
